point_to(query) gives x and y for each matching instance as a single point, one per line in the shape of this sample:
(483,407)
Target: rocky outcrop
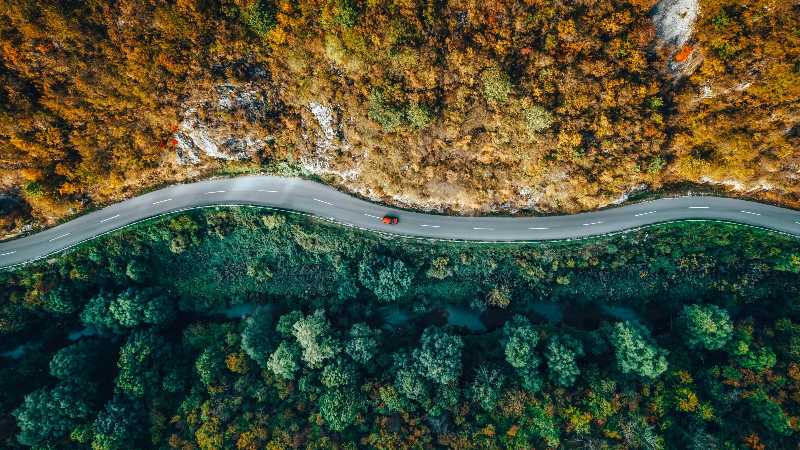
(206,128)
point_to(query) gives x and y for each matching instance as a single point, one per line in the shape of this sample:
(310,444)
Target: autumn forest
(466,107)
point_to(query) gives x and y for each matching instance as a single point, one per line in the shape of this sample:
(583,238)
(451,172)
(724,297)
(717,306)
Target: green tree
(76,362)
(409,381)
(439,356)
(137,270)
(561,352)
(383,111)
(118,426)
(285,360)
(486,387)
(496,85)
(314,336)
(340,408)
(520,343)
(338,374)
(634,353)
(520,340)
(387,278)
(537,119)
(132,308)
(258,336)
(705,326)
(286,322)
(59,301)
(210,365)
(140,363)
(362,343)
(418,116)
(49,415)
(770,414)
(96,313)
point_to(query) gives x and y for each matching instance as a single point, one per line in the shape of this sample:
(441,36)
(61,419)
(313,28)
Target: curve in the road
(316,199)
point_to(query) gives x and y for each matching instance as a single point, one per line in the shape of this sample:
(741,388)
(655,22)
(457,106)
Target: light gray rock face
(206,129)
(674,21)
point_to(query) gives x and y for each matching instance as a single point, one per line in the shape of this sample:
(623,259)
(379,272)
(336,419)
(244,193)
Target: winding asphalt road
(319,200)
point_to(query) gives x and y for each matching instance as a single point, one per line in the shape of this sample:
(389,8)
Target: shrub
(537,119)
(496,85)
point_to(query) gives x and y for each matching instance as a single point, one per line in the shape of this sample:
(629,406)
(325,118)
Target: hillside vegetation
(553,106)
(681,336)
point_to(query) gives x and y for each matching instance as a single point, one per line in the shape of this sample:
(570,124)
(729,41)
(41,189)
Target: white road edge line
(110,218)
(699,207)
(8,253)
(162,201)
(215,192)
(59,237)
(750,212)
(538,228)
(323,201)
(431,226)
(370,215)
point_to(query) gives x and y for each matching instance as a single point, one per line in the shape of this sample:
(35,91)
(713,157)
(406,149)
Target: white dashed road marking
(59,237)
(266,190)
(431,226)
(110,218)
(644,213)
(323,201)
(215,192)
(8,253)
(162,201)
(592,223)
(698,207)
(482,228)
(750,212)
(370,215)
(538,228)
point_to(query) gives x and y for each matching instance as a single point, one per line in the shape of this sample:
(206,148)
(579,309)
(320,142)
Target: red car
(390,220)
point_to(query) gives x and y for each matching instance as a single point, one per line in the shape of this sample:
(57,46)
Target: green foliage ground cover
(707,355)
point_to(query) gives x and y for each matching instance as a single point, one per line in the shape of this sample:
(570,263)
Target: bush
(537,119)
(496,85)
(705,326)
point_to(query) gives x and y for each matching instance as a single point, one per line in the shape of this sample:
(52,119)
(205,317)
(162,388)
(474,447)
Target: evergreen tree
(119,425)
(284,361)
(362,343)
(314,336)
(486,387)
(705,326)
(258,336)
(634,353)
(561,353)
(389,279)
(340,408)
(439,356)
(49,415)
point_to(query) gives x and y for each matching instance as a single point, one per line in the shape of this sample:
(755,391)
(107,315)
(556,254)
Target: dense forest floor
(243,328)
(465,107)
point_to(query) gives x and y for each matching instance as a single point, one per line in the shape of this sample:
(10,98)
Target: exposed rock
(206,128)
(626,195)
(326,132)
(738,186)
(674,21)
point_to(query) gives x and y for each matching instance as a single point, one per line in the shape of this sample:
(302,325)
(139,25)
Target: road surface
(319,200)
